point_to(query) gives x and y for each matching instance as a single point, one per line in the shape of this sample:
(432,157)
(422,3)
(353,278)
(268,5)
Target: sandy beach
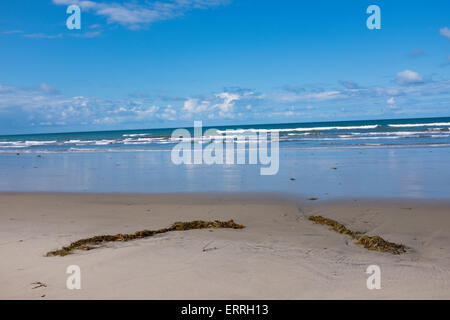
(279,255)
(219,158)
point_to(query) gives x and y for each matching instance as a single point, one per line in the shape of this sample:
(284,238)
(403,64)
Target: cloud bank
(136,14)
(44,108)
(445,32)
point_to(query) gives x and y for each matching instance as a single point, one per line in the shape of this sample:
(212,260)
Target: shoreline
(279,255)
(275,196)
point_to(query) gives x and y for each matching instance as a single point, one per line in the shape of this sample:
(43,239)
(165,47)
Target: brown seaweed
(38,284)
(95,242)
(371,243)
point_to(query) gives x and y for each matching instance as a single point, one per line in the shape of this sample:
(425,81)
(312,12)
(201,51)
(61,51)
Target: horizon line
(218,126)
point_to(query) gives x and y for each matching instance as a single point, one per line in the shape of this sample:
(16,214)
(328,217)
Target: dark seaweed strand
(94,242)
(371,243)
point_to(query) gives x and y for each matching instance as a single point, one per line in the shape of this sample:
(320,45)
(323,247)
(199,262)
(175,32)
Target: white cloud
(105,120)
(227,106)
(169,113)
(325,95)
(47,89)
(223,103)
(135,14)
(310,96)
(445,32)
(392,104)
(43,36)
(39,106)
(193,106)
(409,77)
(11,32)
(145,113)
(350,84)
(89,34)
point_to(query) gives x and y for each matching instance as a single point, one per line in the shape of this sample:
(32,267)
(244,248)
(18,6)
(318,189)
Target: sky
(151,64)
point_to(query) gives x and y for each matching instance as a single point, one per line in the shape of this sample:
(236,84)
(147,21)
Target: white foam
(299,129)
(24,144)
(38,143)
(104,142)
(434,124)
(136,135)
(440,135)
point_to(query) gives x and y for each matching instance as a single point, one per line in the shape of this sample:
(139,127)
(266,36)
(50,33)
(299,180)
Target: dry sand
(279,255)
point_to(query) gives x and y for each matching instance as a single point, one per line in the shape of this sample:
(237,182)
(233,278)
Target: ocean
(421,132)
(326,160)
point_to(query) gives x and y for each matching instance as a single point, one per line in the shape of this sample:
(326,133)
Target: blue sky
(144,64)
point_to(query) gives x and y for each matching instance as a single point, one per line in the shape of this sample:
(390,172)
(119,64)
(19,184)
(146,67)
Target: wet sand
(279,255)
(414,173)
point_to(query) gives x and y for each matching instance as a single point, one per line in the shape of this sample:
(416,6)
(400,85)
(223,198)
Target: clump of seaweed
(371,243)
(95,242)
